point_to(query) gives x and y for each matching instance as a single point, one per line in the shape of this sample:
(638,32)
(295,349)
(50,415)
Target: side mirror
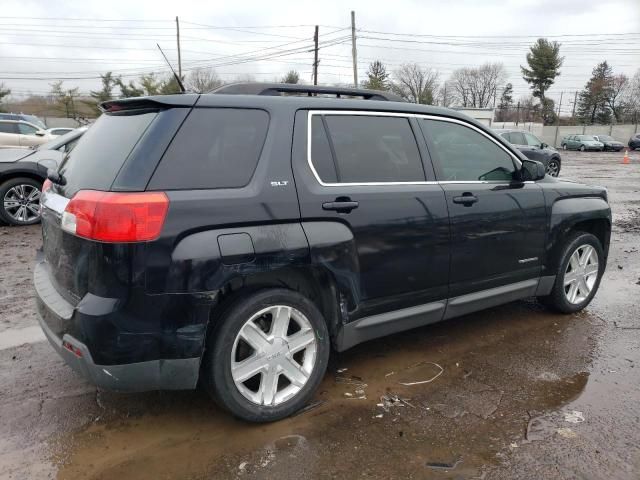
(543,145)
(41,133)
(532,170)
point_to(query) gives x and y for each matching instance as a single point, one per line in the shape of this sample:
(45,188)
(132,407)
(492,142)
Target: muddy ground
(524,393)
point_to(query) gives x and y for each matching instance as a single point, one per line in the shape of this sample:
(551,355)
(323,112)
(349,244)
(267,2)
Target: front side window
(532,140)
(26,129)
(366,149)
(463,154)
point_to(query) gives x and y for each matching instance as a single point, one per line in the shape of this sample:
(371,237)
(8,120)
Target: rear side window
(214,148)
(97,158)
(368,148)
(6,127)
(463,154)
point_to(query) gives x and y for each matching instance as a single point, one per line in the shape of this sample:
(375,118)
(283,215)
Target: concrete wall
(621,133)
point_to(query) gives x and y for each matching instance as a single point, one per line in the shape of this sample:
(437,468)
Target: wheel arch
(590,215)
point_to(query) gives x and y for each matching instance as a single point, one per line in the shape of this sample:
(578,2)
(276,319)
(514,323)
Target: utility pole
(555,140)
(354,52)
(575,100)
(518,113)
(178,41)
(315,57)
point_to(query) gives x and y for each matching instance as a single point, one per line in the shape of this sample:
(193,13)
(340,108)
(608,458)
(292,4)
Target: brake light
(116,217)
(46,186)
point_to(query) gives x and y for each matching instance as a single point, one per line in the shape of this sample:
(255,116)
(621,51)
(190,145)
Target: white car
(21,134)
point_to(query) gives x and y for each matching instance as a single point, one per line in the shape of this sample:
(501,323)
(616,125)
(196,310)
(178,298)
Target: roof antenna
(178,79)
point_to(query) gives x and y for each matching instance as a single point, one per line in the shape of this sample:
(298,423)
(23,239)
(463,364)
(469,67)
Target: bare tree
(477,87)
(447,94)
(618,87)
(203,80)
(416,84)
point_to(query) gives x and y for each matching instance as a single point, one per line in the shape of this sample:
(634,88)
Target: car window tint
(6,127)
(532,140)
(374,149)
(214,148)
(517,138)
(25,129)
(321,156)
(463,154)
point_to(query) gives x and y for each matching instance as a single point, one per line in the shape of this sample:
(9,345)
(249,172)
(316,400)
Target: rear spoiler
(156,101)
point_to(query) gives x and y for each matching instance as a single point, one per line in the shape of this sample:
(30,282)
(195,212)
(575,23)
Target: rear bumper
(161,374)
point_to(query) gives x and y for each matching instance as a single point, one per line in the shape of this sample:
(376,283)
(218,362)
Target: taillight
(46,186)
(116,217)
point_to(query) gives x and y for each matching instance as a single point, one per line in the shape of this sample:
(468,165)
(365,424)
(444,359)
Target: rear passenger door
(371,209)
(498,223)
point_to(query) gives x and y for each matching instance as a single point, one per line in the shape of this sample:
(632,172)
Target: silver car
(21,134)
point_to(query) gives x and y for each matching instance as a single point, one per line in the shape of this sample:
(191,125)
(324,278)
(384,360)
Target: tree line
(606,96)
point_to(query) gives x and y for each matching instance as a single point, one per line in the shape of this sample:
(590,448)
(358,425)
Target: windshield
(58,142)
(606,137)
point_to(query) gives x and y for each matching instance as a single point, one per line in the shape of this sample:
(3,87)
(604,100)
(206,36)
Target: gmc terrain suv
(234,238)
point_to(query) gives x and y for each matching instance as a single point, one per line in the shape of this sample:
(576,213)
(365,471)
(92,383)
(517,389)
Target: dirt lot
(516,383)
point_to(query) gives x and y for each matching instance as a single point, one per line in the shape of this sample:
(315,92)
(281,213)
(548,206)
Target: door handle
(467,199)
(340,205)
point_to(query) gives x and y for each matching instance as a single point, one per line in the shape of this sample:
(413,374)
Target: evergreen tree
(377,77)
(593,99)
(506,103)
(291,77)
(544,63)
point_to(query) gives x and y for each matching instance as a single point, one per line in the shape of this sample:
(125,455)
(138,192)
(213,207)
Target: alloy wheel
(273,355)
(22,203)
(581,274)
(553,168)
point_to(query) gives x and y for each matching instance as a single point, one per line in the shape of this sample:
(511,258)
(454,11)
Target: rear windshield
(97,158)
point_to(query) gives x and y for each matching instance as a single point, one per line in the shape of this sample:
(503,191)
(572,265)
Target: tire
(564,147)
(553,167)
(582,149)
(245,399)
(12,194)
(558,299)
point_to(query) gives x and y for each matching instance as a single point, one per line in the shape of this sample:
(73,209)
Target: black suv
(233,238)
(534,149)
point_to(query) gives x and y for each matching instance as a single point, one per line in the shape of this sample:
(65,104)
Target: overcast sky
(80,39)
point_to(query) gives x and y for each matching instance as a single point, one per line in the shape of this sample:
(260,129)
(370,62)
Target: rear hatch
(118,153)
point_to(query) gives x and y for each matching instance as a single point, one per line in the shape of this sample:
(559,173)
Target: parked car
(26,118)
(232,240)
(634,141)
(534,148)
(18,133)
(609,143)
(22,172)
(56,132)
(563,142)
(582,143)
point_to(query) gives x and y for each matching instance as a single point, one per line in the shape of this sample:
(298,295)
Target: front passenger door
(498,223)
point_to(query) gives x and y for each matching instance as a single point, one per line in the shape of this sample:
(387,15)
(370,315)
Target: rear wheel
(578,275)
(20,199)
(267,356)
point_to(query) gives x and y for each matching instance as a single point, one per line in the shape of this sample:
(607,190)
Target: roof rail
(277,89)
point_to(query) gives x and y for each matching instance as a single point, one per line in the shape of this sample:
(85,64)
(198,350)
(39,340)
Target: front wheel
(20,199)
(582,149)
(553,167)
(267,355)
(578,275)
